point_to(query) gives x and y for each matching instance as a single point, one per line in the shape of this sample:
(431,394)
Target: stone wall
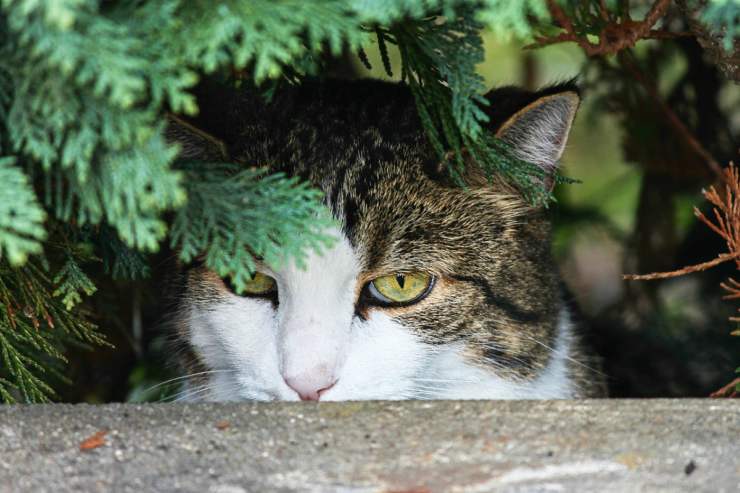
(475,446)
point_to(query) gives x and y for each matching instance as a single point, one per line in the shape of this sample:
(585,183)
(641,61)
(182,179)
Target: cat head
(430,291)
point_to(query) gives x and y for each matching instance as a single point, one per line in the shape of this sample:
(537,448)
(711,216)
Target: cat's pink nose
(311,384)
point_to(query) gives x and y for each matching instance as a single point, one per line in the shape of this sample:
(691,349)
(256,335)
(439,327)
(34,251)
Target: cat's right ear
(195,143)
(538,131)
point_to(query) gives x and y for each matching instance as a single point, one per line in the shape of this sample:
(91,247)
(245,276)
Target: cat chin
(385,361)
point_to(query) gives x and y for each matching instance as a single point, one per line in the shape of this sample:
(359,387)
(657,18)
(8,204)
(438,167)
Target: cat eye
(400,289)
(260,285)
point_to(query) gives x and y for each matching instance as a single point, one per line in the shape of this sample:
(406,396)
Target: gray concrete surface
(546,446)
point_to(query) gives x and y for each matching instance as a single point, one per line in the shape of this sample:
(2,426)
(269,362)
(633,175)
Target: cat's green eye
(401,288)
(260,284)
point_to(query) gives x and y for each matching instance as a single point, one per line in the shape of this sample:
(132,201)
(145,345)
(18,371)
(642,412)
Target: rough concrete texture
(595,446)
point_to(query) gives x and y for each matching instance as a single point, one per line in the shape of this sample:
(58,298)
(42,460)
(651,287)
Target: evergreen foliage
(439,66)
(21,216)
(86,174)
(240,214)
(38,320)
(723,16)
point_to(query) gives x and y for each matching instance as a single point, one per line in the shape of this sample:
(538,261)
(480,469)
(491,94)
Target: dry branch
(726,210)
(729,390)
(680,272)
(615,35)
(673,120)
(727,215)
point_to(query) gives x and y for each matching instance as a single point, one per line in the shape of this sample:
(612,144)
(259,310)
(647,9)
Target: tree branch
(686,270)
(673,120)
(615,36)
(728,390)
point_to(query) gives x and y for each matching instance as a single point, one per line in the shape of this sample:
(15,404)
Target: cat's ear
(195,143)
(538,132)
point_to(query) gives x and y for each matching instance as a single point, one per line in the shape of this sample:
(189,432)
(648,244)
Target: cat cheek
(236,341)
(383,359)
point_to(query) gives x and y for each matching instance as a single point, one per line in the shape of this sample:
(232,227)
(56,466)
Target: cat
(431,291)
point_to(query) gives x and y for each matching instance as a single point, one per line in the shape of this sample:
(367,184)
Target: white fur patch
(459,379)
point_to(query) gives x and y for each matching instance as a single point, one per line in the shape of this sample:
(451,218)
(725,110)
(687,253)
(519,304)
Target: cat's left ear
(194,143)
(538,132)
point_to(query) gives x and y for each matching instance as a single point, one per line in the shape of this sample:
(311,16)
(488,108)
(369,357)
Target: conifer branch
(235,216)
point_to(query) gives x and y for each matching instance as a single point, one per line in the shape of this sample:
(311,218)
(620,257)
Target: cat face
(429,291)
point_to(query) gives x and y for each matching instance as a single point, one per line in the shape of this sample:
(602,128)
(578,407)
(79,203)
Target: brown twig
(624,6)
(732,287)
(728,390)
(559,16)
(615,36)
(727,214)
(726,211)
(567,37)
(657,11)
(663,34)
(673,119)
(680,272)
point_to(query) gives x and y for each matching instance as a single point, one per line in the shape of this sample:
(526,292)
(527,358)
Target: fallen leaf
(94,441)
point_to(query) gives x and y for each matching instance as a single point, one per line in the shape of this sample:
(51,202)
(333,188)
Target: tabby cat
(430,292)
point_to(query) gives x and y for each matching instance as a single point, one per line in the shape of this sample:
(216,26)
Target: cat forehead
(329,133)
(429,228)
(389,203)
(364,147)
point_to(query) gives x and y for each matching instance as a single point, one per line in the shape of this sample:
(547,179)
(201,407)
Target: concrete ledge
(600,445)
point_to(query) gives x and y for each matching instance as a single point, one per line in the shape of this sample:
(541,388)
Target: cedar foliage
(87,177)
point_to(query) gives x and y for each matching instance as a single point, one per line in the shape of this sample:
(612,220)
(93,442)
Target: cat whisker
(563,354)
(558,352)
(172,380)
(444,380)
(188,392)
(424,395)
(497,347)
(178,396)
(422,386)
